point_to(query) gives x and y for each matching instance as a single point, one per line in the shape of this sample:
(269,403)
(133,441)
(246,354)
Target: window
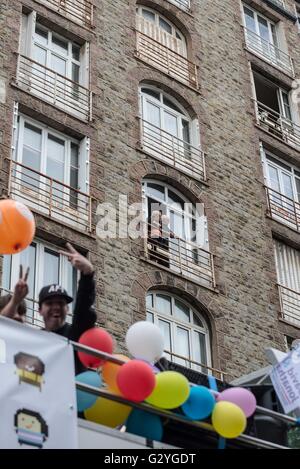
(260,26)
(169,133)
(287,261)
(46,266)
(50,172)
(54,68)
(162,30)
(177,233)
(185,331)
(283,186)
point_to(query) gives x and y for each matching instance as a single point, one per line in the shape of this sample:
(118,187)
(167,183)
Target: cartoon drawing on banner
(31,428)
(30,369)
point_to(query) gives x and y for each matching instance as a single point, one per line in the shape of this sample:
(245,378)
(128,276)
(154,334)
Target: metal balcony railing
(173,151)
(283,208)
(54,88)
(192,364)
(161,57)
(78,11)
(289,305)
(268,51)
(182,4)
(181,256)
(50,197)
(277,125)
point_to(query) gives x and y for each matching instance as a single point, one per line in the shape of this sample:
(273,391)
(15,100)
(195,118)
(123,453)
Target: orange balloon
(110,371)
(17,227)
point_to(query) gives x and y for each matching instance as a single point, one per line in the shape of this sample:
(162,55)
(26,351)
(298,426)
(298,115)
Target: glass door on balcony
(261,34)
(166,128)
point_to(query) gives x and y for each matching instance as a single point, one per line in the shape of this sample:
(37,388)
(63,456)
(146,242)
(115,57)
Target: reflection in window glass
(182,311)
(163,304)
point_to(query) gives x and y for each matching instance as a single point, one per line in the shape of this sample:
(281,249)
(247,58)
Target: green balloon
(171,390)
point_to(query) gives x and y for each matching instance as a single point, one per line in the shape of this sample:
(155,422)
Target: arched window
(177,232)
(185,331)
(169,133)
(161,44)
(156,26)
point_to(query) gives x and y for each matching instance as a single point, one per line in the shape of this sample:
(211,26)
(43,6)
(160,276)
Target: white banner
(37,389)
(286,381)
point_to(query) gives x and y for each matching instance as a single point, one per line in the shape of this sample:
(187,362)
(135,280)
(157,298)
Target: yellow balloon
(171,390)
(107,412)
(228,419)
(110,371)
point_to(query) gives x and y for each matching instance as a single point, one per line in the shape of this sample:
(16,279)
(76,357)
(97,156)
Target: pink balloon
(241,397)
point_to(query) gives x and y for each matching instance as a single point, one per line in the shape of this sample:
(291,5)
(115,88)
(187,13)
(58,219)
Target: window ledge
(280,9)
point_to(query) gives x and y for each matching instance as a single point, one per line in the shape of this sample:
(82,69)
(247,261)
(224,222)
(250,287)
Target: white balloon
(145,341)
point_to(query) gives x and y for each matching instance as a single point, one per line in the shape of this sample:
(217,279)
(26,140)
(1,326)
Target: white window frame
(180,116)
(83,165)
(202,240)
(29,38)
(63,280)
(188,326)
(269,22)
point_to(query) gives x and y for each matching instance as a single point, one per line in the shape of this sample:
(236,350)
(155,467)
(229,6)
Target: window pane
(51,267)
(170,104)
(287,185)
(75,72)
(170,125)
(60,45)
(274,178)
(165,26)
(148,15)
(177,224)
(28,259)
(150,317)
(74,173)
(41,35)
(286,105)
(156,191)
(75,52)
(182,345)
(31,156)
(298,188)
(199,348)
(249,19)
(175,201)
(149,301)
(163,304)
(152,93)
(197,321)
(166,330)
(40,56)
(58,65)
(182,312)
(152,114)
(263,28)
(6,275)
(55,157)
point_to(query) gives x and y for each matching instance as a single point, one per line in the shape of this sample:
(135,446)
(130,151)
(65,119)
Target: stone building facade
(104,97)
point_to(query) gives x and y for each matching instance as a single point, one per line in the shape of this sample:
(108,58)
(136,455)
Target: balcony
(54,88)
(269,52)
(173,151)
(183,257)
(161,57)
(189,364)
(78,11)
(50,197)
(277,125)
(283,209)
(289,305)
(182,4)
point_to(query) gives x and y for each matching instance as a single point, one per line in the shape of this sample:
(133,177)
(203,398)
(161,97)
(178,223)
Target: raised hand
(78,261)
(21,287)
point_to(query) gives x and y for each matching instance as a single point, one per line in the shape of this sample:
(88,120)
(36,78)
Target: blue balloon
(200,403)
(85,399)
(145,424)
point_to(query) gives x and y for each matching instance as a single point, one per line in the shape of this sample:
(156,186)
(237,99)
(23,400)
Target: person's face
(54,312)
(28,422)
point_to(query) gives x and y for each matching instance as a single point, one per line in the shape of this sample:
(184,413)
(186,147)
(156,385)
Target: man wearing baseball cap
(54,300)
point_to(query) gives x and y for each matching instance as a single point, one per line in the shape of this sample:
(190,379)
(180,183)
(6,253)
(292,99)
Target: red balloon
(136,380)
(98,339)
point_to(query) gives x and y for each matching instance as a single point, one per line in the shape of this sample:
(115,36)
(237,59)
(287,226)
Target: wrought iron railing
(78,11)
(194,365)
(277,125)
(283,208)
(268,51)
(289,305)
(184,257)
(182,4)
(50,197)
(172,150)
(54,88)
(159,56)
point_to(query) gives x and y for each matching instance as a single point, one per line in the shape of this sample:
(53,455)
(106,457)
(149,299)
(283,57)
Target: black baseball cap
(53,290)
